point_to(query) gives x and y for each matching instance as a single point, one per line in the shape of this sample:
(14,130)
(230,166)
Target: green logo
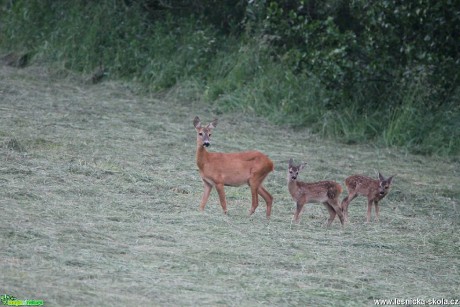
(5,298)
(9,300)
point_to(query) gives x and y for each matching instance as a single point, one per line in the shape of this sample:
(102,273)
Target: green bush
(357,71)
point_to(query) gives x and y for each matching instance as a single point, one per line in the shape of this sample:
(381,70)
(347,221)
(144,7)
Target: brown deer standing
(373,189)
(325,192)
(230,169)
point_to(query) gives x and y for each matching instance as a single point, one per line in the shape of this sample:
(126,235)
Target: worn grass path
(99,195)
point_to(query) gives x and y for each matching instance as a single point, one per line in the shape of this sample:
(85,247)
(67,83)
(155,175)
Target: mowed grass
(99,195)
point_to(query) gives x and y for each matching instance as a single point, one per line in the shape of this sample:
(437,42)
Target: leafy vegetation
(357,71)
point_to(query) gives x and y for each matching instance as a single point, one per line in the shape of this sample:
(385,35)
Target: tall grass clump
(416,125)
(82,36)
(247,79)
(78,35)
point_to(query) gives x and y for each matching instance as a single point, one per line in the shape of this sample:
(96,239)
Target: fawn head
(204,133)
(293,171)
(384,184)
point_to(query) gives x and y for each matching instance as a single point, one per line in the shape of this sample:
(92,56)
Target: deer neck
(293,187)
(201,155)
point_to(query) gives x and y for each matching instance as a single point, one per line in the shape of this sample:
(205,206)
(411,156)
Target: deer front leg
(370,202)
(345,203)
(204,199)
(298,211)
(344,206)
(377,209)
(221,192)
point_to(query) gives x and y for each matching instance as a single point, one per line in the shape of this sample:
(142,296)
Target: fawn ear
(381,177)
(302,165)
(212,124)
(390,179)
(290,162)
(197,122)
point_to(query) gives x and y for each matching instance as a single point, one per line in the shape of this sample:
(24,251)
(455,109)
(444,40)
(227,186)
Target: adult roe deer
(325,192)
(374,189)
(230,169)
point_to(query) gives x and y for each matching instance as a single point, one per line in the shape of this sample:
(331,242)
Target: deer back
(315,191)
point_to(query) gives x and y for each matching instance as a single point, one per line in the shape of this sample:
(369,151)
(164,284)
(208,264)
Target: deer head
(384,184)
(204,133)
(293,171)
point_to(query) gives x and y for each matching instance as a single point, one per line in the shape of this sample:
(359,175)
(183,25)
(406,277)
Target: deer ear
(213,124)
(381,177)
(390,179)
(290,163)
(197,122)
(302,165)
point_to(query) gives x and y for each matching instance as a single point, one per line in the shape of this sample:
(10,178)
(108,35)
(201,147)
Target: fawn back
(325,192)
(374,189)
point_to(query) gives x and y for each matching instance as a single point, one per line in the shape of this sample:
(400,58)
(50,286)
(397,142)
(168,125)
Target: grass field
(99,196)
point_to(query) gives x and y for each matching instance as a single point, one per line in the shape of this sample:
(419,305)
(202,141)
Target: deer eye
(209,134)
(201,133)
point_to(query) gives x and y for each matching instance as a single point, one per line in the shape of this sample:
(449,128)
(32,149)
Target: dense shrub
(383,71)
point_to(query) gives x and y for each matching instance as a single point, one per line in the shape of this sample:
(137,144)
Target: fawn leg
(204,199)
(331,211)
(377,209)
(346,202)
(369,209)
(298,211)
(221,192)
(268,199)
(334,203)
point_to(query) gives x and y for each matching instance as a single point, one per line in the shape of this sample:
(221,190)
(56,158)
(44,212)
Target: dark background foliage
(382,71)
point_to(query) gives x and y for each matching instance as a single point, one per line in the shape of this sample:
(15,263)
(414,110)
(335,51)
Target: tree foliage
(350,44)
(393,64)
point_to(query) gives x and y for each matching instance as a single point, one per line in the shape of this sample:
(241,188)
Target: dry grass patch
(99,197)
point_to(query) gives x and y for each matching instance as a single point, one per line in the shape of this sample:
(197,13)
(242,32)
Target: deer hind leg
(255,182)
(331,211)
(334,203)
(221,192)
(204,199)
(268,199)
(255,199)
